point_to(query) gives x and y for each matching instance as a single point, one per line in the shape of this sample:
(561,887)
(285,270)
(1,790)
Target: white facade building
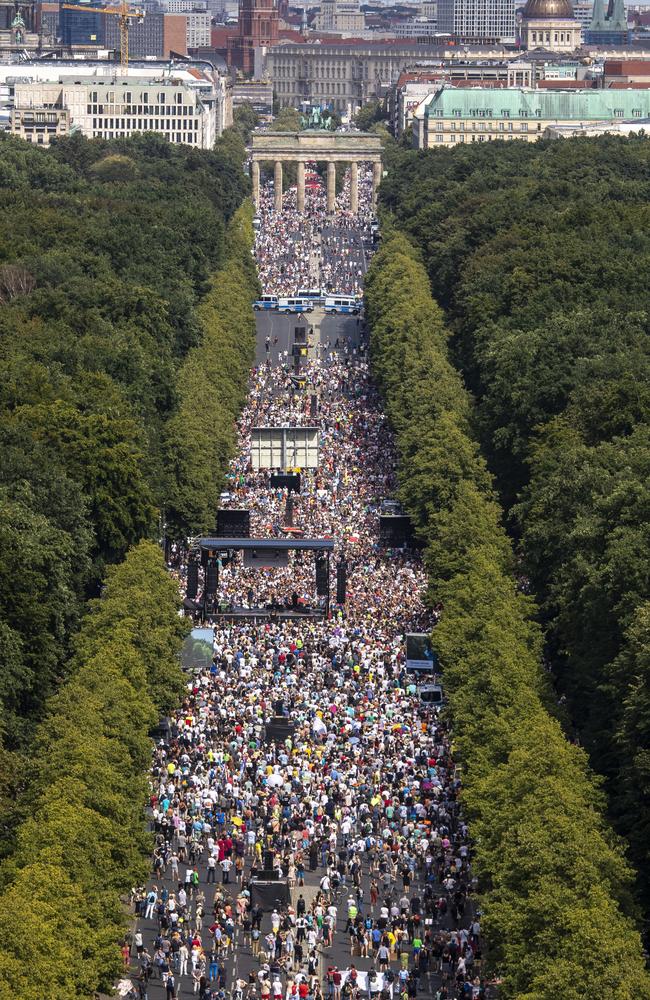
(477,19)
(183,6)
(418,28)
(190,107)
(583,11)
(340,15)
(199,26)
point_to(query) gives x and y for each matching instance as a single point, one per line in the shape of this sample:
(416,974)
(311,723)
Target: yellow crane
(124,13)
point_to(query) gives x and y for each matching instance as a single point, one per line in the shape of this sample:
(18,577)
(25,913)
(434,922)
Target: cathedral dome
(548,9)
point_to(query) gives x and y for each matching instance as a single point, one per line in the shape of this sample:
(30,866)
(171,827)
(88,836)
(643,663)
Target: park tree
(533,251)
(556,891)
(369,114)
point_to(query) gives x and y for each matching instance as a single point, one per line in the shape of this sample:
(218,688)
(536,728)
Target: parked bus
(342,304)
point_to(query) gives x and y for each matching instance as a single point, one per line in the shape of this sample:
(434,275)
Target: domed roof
(548,8)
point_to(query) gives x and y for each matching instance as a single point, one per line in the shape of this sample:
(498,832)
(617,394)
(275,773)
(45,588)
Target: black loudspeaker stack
(341,581)
(211,580)
(192,579)
(313,407)
(322,581)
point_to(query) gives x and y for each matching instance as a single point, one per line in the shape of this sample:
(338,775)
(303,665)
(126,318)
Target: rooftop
(516,102)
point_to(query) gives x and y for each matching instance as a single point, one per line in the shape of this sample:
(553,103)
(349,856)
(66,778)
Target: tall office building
(477,19)
(156,35)
(82,27)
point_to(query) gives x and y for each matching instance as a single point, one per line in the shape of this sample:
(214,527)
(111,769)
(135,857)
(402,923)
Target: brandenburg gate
(317,145)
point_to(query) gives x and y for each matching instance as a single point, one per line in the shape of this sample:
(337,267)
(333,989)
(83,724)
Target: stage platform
(264,615)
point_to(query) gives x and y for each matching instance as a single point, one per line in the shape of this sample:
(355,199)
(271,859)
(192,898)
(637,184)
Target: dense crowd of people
(340,500)
(302,250)
(353,806)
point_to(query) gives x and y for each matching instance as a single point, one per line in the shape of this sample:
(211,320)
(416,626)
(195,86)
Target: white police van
(295,305)
(266,302)
(342,304)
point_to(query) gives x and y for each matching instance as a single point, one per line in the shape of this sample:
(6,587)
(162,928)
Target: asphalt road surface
(276,334)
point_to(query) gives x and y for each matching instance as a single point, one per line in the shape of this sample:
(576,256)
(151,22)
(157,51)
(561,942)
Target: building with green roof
(480,114)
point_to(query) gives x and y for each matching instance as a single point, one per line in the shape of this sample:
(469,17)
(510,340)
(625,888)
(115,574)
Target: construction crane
(124,13)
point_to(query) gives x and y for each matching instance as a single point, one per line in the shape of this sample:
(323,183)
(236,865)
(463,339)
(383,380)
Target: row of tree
(108,252)
(555,887)
(81,843)
(126,336)
(212,386)
(535,251)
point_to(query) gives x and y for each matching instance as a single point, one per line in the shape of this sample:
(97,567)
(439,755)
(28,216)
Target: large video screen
(420,654)
(196,652)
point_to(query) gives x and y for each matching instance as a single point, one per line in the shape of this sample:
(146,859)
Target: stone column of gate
(354,187)
(255,177)
(300,186)
(277,186)
(331,186)
(376,180)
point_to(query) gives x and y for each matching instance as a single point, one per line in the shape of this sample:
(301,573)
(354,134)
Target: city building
(340,15)
(18,28)
(347,74)
(418,29)
(583,12)
(42,123)
(257,30)
(40,87)
(550,25)
(159,35)
(257,93)
(477,20)
(182,6)
(451,115)
(117,108)
(412,87)
(608,27)
(408,95)
(535,70)
(624,73)
(82,27)
(49,22)
(199,28)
